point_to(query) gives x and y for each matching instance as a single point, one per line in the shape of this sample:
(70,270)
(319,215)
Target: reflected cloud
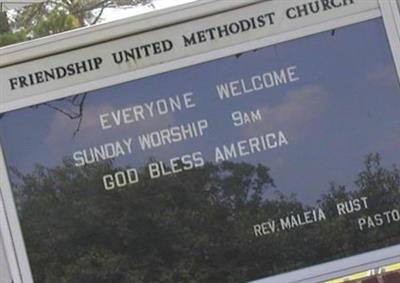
(297,108)
(383,76)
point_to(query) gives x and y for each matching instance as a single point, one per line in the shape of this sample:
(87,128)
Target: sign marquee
(141,51)
(245,146)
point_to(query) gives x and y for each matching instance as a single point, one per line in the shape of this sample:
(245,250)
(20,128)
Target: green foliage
(51,17)
(56,21)
(4,24)
(12,37)
(195,226)
(6,35)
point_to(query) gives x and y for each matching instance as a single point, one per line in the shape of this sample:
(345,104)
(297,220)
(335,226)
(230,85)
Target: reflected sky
(344,106)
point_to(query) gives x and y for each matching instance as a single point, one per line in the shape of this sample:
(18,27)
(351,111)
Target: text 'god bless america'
(151,126)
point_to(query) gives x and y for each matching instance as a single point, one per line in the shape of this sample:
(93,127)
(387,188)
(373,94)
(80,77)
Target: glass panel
(237,169)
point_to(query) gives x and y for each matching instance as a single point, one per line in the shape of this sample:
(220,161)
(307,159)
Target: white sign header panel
(167,44)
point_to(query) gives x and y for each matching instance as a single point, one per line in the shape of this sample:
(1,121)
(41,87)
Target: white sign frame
(10,230)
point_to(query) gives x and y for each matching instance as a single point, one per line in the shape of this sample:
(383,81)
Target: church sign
(256,141)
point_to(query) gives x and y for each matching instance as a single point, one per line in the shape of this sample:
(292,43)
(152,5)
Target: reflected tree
(195,226)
